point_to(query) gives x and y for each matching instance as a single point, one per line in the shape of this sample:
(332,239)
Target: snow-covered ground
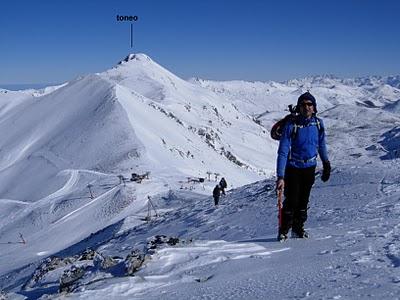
(354,252)
(67,153)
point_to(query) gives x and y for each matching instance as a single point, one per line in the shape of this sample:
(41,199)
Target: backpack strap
(318,124)
(294,131)
(320,127)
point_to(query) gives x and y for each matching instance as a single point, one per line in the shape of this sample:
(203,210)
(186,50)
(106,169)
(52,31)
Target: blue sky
(55,41)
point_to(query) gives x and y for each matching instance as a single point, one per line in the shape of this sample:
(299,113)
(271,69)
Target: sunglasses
(307,104)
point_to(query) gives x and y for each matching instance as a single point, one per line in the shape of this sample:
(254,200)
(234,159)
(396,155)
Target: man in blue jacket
(303,138)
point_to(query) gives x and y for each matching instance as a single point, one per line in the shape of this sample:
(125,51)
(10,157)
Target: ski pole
(280,208)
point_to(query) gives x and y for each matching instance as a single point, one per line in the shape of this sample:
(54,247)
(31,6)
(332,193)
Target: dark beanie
(307,96)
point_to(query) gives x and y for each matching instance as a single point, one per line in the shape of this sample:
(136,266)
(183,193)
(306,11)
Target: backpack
(277,128)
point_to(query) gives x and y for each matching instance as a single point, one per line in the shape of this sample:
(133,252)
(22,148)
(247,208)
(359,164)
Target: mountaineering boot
(300,234)
(282,237)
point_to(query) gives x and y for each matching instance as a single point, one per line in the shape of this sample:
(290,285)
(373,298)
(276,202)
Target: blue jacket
(300,150)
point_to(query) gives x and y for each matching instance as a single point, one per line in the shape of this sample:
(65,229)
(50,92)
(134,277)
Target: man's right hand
(280,185)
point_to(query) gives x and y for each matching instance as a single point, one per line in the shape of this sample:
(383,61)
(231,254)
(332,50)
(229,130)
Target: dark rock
(48,265)
(104,262)
(156,241)
(70,277)
(88,254)
(3,295)
(159,240)
(173,241)
(133,262)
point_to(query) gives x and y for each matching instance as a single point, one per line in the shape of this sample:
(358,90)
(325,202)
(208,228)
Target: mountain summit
(138,56)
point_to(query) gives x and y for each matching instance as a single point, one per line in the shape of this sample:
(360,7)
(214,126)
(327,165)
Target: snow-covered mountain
(67,153)
(135,118)
(182,117)
(263,99)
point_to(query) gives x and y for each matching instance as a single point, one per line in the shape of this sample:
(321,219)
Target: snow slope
(98,129)
(353,252)
(62,152)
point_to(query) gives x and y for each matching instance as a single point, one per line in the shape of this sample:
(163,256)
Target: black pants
(216,200)
(298,183)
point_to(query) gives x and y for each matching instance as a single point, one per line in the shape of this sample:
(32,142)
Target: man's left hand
(326,173)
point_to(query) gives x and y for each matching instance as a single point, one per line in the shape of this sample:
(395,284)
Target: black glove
(326,173)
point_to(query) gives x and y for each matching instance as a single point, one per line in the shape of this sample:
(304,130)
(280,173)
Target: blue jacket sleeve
(322,151)
(283,150)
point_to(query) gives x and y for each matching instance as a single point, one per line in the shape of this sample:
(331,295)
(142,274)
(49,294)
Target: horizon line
(30,85)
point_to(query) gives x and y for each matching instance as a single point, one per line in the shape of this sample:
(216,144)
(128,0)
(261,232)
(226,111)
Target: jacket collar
(303,120)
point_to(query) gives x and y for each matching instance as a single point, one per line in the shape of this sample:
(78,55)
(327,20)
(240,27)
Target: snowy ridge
(393,107)
(330,90)
(195,112)
(99,127)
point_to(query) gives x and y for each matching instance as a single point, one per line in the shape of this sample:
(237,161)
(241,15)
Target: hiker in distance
(303,138)
(216,194)
(223,185)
